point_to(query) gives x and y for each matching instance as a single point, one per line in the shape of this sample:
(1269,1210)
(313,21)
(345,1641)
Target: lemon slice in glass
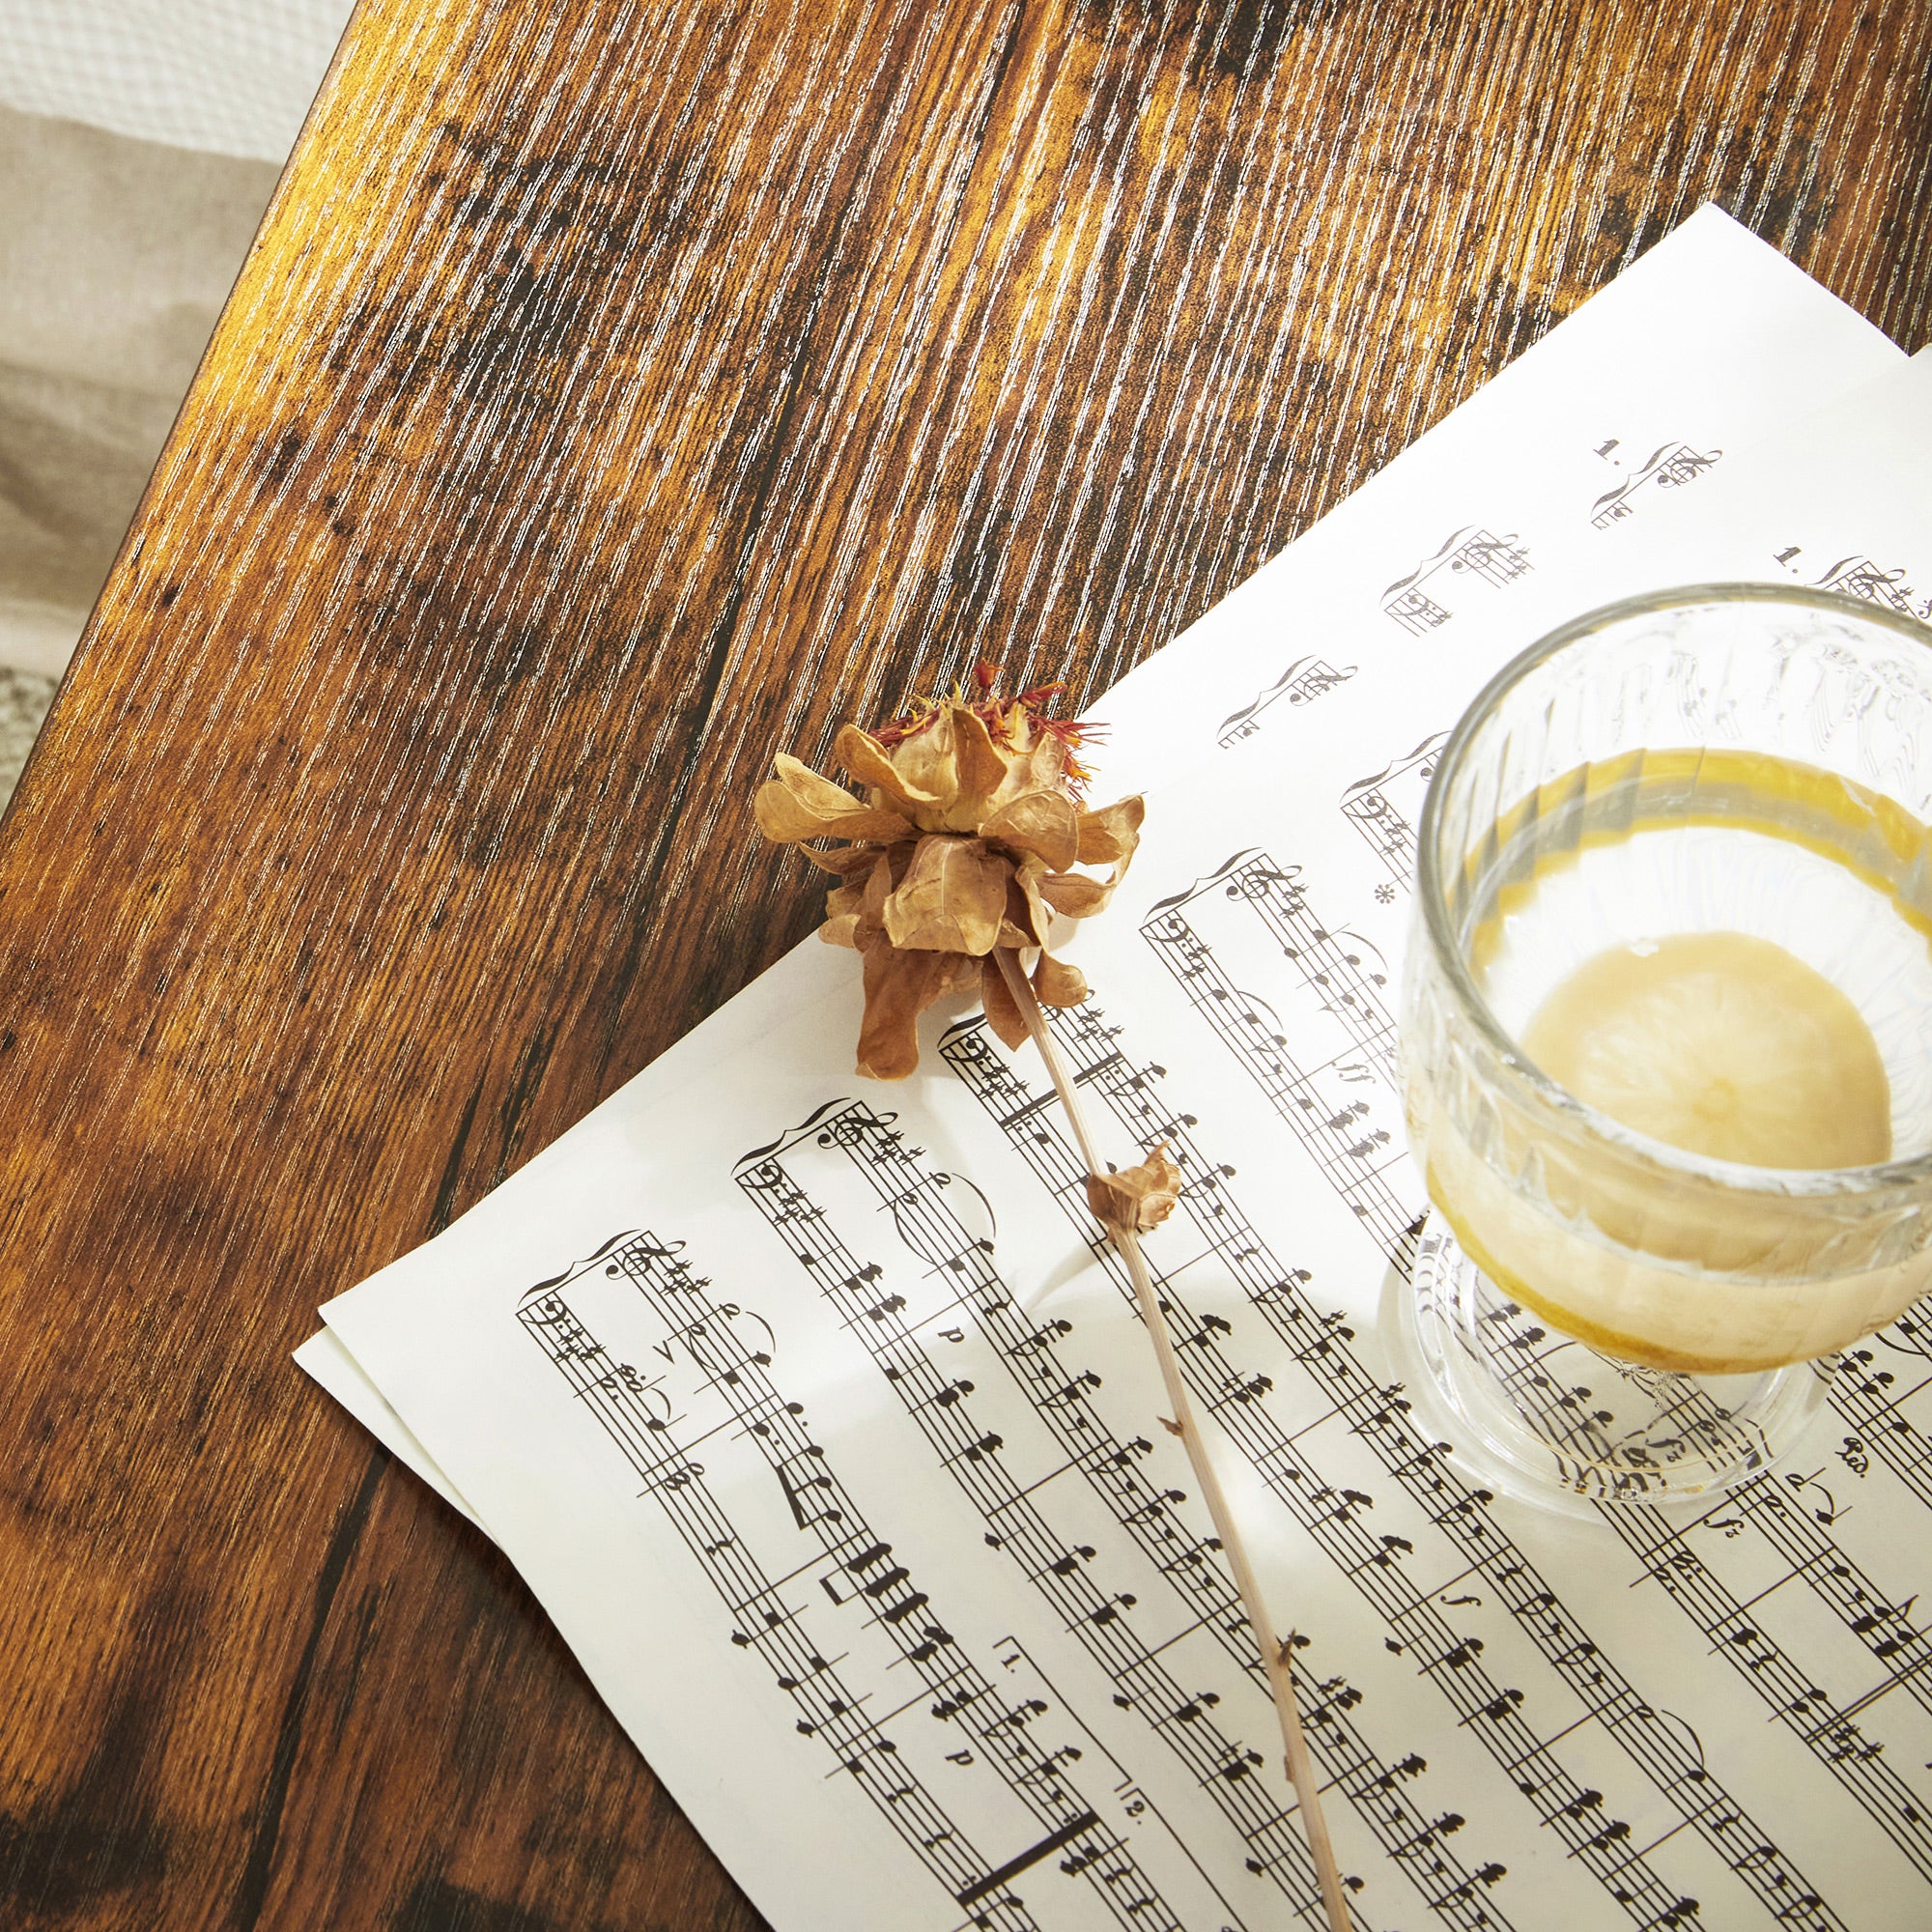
(1723,1044)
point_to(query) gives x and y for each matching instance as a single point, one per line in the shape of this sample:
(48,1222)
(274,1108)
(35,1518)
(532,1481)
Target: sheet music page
(324,1358)
(1840,499)
(822,1425)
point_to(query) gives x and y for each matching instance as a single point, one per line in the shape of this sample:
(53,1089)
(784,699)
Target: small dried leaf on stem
(1137,1198)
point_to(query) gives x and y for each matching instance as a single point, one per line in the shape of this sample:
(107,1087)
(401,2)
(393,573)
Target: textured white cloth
(139,141)
(224,76)
(115,259)
(24,700)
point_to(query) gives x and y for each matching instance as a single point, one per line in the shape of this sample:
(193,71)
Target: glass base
(1533,1414)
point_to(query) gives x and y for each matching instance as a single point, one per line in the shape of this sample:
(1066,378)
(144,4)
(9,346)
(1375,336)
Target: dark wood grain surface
(614,392)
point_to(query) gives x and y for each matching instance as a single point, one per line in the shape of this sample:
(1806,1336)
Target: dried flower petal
(1075,894)
(926,762)
(871,763)
(1041,822)
(1003,1013)
(982,768)
(1045,768)
(900,986)
(816,794)
(877,888)
(963,844)
(963,970)
(1109,836)
(844,859)
(951,900)
(1057,984)
(1027,913)
(785,817)
(1139,1198)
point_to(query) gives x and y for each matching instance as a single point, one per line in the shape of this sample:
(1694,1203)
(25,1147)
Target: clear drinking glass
(1599,1315)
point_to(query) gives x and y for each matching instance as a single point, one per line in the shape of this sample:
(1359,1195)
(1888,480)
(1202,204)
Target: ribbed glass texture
(1726,759)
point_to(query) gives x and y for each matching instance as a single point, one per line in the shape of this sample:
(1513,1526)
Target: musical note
(1301,683)
(1669,466)
(1860,576)
(1385,805)
(1022,1514)
(829,1708)
(1331,1513)
(1418,612)
(1320,1099)
(1470,551)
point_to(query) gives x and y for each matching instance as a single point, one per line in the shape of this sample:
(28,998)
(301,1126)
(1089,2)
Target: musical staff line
(1867,1395)
(1033,1353)
(1668,466)
(1494,1714)
(1809,1557)
(1471,552)
(1301,683)
(1383,808)
(1859,576)
(1340,1108)
(1861,1390)
(774,1630)
(1253,882)
(1378,1417)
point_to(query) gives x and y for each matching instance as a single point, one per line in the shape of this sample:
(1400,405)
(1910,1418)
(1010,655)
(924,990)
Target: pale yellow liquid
(1720,1042)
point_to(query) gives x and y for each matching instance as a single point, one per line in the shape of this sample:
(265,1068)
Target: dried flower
(963,844)
(1140,1197)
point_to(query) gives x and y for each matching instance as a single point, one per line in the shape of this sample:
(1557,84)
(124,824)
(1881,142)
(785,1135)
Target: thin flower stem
(1274,1652)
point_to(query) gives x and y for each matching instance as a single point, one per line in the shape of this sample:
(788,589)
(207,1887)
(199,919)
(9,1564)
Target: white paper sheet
(1603,432)
(814,1418)
(324,1358)
(1839,500)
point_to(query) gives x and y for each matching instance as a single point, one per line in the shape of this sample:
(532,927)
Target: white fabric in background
(115,259)
(223,76)
(139,142)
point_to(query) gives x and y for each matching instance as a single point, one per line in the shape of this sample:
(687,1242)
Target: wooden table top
(614,393)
